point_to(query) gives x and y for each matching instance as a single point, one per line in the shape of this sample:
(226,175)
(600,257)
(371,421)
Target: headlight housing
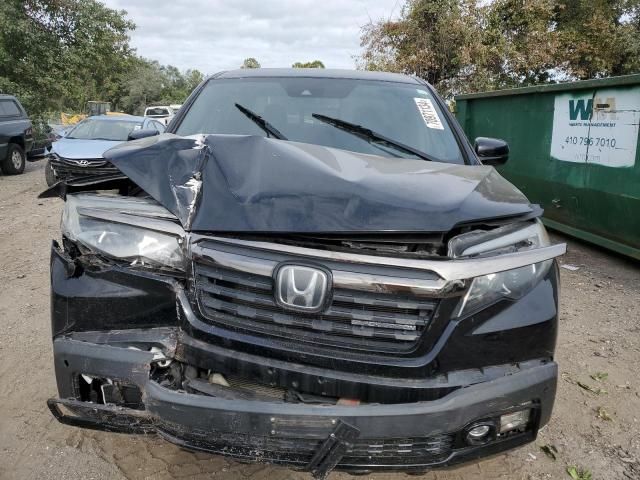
(138,231)
(508,239)
(511,284)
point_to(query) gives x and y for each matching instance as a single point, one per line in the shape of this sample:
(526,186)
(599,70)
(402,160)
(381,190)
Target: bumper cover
(408,436)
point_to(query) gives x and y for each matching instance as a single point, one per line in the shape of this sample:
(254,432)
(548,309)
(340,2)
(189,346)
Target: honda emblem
(301,288)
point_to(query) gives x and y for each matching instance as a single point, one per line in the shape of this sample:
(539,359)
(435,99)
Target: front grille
(354,319)
(421,449)
(363,452)
(65,169)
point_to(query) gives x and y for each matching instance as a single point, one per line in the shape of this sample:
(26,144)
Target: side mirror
(491,151)
(138,134)
(60,134)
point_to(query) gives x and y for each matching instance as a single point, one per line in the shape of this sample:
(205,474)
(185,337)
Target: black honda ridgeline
(312,268)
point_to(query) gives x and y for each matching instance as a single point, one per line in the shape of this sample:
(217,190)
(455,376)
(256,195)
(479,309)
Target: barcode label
(429,113)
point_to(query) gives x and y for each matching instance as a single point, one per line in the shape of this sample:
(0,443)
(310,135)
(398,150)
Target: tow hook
(332,450)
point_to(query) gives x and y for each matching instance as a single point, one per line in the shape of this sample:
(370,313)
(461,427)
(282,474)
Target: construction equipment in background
(93,108)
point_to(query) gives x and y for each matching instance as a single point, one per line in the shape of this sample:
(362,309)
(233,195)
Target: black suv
(314,268)
(16,135)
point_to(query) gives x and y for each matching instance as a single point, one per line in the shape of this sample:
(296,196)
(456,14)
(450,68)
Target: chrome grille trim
(341,278)
(232,261)
(446,269)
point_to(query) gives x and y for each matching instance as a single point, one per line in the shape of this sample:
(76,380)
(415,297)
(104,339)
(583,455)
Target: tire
(15,161)
(49,174)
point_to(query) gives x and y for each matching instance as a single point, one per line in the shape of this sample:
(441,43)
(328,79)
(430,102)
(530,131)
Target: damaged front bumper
(116,326)
(410,436)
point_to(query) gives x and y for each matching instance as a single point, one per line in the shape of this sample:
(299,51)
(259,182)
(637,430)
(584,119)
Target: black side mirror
(138,134)
(491,151)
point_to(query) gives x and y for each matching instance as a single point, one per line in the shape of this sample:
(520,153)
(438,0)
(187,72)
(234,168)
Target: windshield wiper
(371,136)
(261,122)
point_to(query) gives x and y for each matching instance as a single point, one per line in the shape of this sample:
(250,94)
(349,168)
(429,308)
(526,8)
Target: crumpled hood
(233,183)
(82,149)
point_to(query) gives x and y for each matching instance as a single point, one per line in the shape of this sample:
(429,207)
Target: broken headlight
(135,230)
(511,284)
(508,239)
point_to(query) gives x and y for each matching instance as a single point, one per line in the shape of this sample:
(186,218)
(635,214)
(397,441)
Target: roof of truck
(316,73)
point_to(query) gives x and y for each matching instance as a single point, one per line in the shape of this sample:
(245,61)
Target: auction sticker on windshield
(429,113)
(598,127)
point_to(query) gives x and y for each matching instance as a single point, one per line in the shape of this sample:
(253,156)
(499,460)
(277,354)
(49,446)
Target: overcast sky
(213,35)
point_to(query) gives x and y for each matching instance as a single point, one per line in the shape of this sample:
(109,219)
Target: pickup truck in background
(16,135)
(163,113)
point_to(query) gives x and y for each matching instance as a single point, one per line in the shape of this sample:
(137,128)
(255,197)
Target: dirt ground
(596,430)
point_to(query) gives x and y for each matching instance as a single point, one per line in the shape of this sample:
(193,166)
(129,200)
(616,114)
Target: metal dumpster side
(574,150)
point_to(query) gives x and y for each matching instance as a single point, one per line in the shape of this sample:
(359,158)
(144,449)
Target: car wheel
(15,161)
(49,174)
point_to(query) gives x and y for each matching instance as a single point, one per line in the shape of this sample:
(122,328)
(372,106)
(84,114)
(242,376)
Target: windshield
(405,113)
(94,129)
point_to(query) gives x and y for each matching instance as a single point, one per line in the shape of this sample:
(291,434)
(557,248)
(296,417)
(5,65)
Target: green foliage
(149,83)
(521,47)
(250,63)
(434,39)
(579,473)
(473,45)
(600,37)
(314,64)
(55,55)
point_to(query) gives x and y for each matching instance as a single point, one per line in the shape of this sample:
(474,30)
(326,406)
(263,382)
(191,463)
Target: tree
(519,45)
(599,37)
(250,63)
(472,45)
(144,86)
(192,78)
(314,64)
(433,39)
(150,83)
(178,85)
(57,54)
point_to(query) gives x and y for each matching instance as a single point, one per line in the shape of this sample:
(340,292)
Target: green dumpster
(574,150)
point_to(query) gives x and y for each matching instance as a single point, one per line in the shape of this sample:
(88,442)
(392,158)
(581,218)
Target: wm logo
(584,109)
(580,107)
